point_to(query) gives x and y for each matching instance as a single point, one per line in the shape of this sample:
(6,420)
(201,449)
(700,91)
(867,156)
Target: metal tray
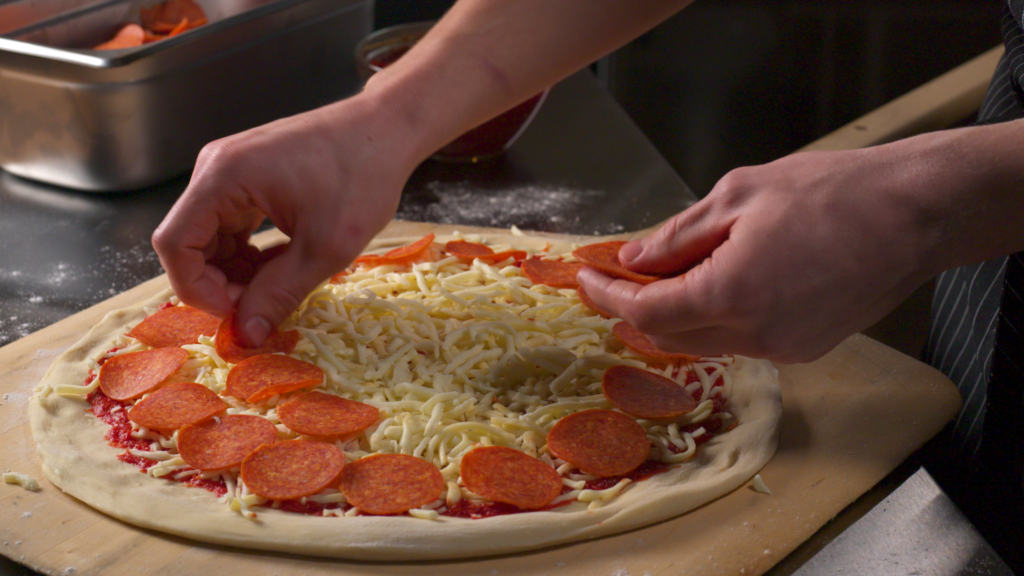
(126,119)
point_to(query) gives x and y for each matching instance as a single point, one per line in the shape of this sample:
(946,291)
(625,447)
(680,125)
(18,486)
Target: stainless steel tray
(126,119)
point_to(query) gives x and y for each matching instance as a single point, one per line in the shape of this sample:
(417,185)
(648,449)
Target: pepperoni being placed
(131,375)
(175,326)
(230,349)
(600,442)
(221,443)
(176,405)
(463,249)
(402,255)
(646,395)
(636,341)
(585,298)
(604,257)
(292,469)
(554,273)
(260,377)
(319,414)
(391,483)
(510,476)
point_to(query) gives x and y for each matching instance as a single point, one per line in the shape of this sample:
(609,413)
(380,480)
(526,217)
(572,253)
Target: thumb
(680,244)
(277,289)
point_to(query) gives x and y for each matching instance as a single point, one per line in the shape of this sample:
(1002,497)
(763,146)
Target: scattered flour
(546,208)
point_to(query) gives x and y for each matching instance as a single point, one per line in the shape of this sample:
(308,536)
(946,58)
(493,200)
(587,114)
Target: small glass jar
(488,140)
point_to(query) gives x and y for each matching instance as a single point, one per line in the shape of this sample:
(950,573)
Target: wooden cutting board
(849,419)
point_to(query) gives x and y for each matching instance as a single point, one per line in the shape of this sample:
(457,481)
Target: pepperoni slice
(391,483)
(554,273)
(292,469)
(506,475)
(604,257)
(646,395)
(464,249)
(218,445)
(636,341)
(585,298)
(502,256)
(260,377)
(230,349)
(319,414)
(176,405)
(600,442)
(402,255)
(131,375)
(175,326)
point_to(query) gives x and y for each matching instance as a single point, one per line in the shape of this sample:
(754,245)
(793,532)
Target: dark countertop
(583,167)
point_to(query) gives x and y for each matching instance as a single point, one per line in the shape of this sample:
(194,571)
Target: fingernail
(630,251)
(257,329)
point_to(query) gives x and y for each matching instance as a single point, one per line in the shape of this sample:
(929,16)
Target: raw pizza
(446,398)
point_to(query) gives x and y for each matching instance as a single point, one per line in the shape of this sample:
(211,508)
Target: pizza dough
(76,457)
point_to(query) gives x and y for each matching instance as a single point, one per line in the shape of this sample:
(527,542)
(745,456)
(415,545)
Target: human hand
(329,179)
(782,261)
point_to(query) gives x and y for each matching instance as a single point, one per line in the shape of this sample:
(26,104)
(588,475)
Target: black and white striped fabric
(965,308)
(977,339)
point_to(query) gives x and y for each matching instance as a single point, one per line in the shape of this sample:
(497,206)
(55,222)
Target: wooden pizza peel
(849,419)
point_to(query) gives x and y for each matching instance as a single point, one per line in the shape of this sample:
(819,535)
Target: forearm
(486,56)
(969,186)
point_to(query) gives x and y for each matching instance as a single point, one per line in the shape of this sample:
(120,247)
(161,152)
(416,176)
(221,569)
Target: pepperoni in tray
(554,273)
(128,376)
(221,443)
(260,377)
(319,414)
(176,405)
(292,469)
(391,483)
(646,395)
(585,298)
(401,255)
(604,257)
(230,349)
(507,475)
(600,442)
(636,341)
(175,326)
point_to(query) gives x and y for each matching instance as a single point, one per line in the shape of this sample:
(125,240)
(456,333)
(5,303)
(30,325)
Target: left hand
(782,261)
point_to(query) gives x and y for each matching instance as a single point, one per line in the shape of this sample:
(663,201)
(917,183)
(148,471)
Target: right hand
(329,179)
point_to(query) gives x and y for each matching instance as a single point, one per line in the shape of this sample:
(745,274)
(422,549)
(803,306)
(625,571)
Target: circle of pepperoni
(221,443)
(604,257)
(636,341)
(506,475)
(391,483)
(176,405)
(128,376)
(230,349)
(175,326)
(554,273)
(463,249)
(319,414)
(292,469)
(646,395)
(260,377)
(585,298)
(600,442)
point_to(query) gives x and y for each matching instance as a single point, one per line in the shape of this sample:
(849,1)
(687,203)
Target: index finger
(668,306)
(181,242)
